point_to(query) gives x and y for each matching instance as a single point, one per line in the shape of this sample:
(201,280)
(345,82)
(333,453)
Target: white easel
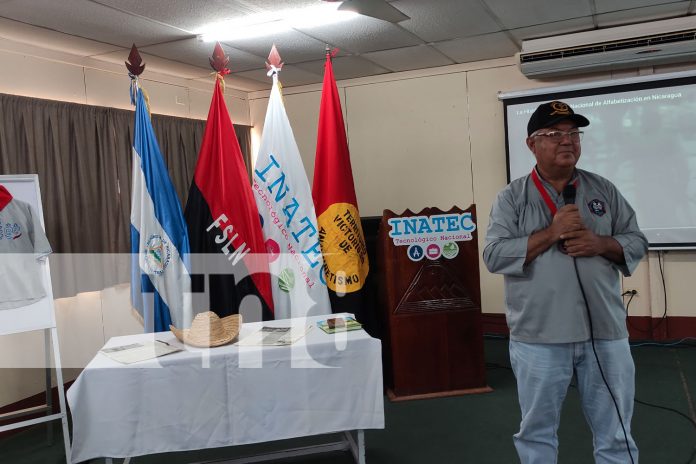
(36,316)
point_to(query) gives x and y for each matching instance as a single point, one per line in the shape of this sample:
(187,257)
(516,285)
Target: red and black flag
(222,216)
(340,231)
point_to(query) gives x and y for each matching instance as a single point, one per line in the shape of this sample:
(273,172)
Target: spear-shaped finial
(274,63)
(219,60)
(330,52)
(135,63)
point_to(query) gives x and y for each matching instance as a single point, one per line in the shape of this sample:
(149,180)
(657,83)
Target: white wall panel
(80,328)
(237,107)
(105,88)
(34,77)
(409,143)
(172,100)
(199,103)
(303,113)
(119,317)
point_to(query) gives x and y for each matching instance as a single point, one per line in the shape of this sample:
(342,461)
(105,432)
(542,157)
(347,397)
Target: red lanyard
(544,193)
(5,197)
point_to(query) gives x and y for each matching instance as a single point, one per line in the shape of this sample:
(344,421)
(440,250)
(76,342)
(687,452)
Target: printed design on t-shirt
(10,231)
(157,254)
(597,207)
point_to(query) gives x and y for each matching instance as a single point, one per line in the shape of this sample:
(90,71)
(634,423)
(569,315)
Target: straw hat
(208,330)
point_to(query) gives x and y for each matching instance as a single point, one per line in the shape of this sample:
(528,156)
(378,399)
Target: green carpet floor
(474,429)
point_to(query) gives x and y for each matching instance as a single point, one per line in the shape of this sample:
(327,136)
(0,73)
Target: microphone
(569,192)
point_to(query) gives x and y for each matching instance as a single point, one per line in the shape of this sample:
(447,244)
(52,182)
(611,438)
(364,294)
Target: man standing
(559,236)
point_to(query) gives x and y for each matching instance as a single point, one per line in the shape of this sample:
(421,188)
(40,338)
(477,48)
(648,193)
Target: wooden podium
(430,292)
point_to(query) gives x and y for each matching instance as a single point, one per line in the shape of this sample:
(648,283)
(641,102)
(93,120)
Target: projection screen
(642,137)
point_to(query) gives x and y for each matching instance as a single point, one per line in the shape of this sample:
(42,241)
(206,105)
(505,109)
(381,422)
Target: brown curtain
(83,156)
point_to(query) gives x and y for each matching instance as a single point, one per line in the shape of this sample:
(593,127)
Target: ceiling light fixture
(267,24)
(378,9)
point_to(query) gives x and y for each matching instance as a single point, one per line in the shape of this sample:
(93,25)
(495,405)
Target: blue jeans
(543,373)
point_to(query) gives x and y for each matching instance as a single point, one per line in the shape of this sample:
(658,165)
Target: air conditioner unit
(646,44)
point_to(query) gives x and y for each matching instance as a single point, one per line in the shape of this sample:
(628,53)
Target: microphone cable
(569,193)
(599,364)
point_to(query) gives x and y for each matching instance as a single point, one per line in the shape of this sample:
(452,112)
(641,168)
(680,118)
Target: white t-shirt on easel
(23,244)
(40,314)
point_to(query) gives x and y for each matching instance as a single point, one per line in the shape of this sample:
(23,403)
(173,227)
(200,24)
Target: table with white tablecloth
(229,395)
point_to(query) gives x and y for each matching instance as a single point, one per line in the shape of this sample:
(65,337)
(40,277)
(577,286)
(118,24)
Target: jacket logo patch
(10,231)
(597,207)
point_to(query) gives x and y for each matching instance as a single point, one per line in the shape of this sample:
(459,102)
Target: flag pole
(288,218)
(330,52)
(160,279)
(135,67)
(222,216)
(342,240)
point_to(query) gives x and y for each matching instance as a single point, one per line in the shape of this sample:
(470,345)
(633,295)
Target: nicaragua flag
(223,221)
(285,203)
(342,240)
(160,280)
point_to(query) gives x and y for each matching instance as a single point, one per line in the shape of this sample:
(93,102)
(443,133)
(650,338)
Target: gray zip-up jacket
(544,303)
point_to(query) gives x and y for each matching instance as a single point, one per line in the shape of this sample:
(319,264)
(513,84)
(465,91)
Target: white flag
(284,200)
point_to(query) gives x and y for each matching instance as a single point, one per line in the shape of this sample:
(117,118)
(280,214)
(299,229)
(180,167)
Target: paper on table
(128,354)
(275,336)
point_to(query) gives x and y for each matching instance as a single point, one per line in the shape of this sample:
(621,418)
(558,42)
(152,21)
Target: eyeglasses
(557,135)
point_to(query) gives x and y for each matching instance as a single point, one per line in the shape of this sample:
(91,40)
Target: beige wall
(420,138)
(436,138)
(45,74)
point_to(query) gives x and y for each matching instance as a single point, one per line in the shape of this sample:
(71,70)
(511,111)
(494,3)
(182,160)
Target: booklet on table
(275,336)
(339,324)
(128,354)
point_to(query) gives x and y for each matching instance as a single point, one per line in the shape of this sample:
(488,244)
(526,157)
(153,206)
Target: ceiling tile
(451,19)
(345,67)
(85,18)
(52,40)
(555,28)
(609,6)
(289,76)
(644,14)
(482,47)
(363,34)
(184,14)
(293,46)
(195,52)
(408,58)
(531,12)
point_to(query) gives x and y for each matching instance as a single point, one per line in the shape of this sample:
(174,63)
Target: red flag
(222,217)
(340,232)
